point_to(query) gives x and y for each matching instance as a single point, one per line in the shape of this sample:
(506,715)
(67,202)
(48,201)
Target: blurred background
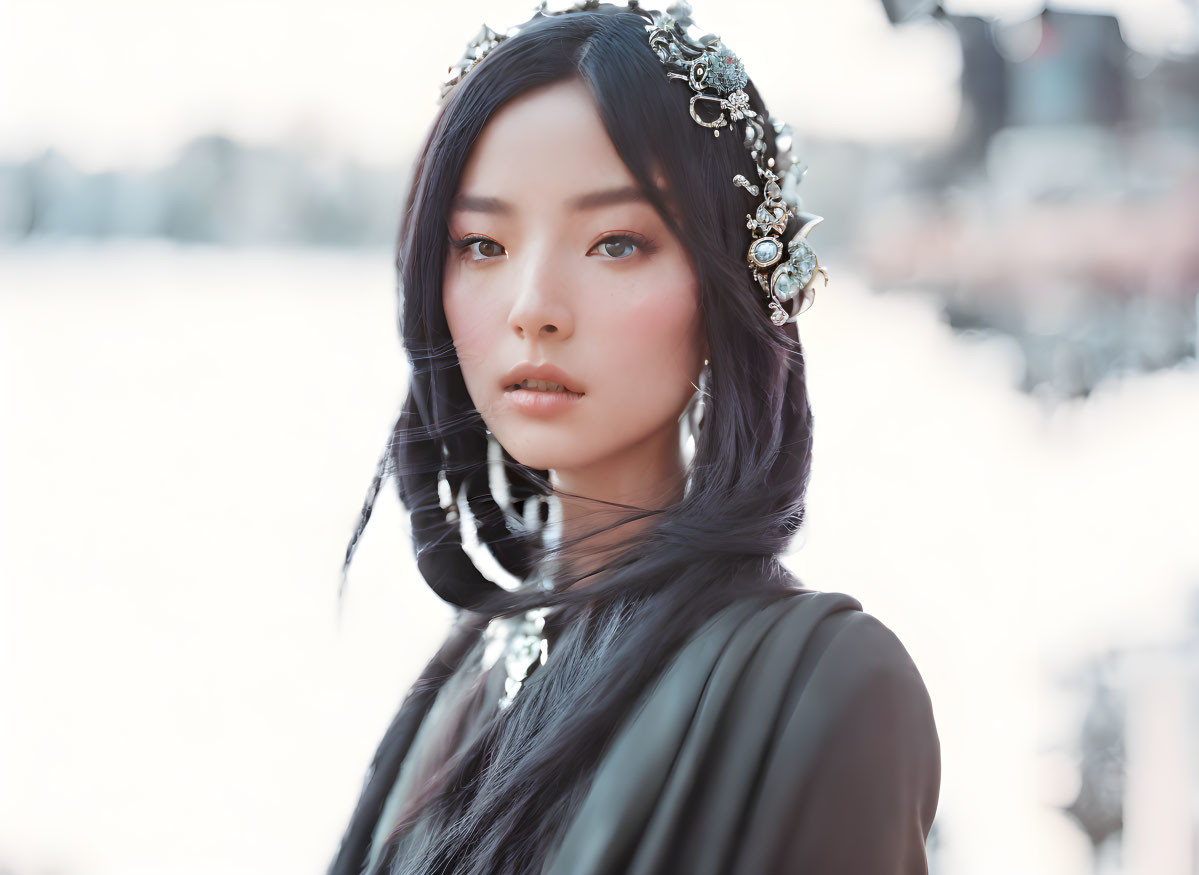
(199,366)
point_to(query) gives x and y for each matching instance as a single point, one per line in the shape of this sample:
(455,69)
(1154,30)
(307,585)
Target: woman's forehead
(547,151)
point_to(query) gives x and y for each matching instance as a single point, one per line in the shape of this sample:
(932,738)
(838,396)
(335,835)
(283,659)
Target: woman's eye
(488,254)
(623,243)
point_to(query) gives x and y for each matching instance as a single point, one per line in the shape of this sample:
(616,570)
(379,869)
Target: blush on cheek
(659,336)
(667,323)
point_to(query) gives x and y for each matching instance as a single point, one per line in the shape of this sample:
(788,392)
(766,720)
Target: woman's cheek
(660,331)
(471,334)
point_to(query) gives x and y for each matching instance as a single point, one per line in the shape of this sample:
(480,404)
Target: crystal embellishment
(765,251)
(725,72)
(793,275)
(520,643)
(802,260)
(785,286)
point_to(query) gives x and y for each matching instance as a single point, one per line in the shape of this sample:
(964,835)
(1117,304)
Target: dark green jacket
(793,738)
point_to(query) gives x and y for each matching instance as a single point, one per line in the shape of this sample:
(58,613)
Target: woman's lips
(542,402)
(544,372)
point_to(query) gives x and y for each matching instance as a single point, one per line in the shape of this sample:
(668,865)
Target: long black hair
(496,807)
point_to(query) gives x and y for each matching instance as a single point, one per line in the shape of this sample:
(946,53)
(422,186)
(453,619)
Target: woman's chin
(546,450)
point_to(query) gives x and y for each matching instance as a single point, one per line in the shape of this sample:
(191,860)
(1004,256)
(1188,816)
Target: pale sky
(124,83)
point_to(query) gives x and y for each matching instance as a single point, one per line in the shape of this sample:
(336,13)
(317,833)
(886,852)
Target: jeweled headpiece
(717,79)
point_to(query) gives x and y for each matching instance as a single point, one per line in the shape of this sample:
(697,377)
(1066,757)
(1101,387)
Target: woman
(610,403)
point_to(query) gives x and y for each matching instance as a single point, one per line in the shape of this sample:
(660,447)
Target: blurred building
(215,191)
(1062,210)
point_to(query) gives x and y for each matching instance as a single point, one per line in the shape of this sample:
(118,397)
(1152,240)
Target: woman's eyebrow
(470,203)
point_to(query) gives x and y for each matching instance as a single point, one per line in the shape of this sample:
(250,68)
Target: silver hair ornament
(717,77)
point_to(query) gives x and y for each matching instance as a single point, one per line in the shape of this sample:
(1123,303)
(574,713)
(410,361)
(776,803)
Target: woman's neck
(650,478)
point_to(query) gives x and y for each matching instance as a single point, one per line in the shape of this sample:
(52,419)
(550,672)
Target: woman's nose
(541,305)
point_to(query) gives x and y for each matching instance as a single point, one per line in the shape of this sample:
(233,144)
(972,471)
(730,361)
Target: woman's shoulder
(829,637)
(827,678)
(845,644)
(779,734)
(802,634)
(821,654)
(853,743)
(811,652)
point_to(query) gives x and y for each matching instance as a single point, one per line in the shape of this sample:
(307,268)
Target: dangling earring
(705,378)
(497,482)
(692,415)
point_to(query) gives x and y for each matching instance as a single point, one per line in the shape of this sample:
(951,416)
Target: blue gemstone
(765,251)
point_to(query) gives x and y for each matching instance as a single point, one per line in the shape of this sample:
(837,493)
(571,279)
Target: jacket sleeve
(852,782)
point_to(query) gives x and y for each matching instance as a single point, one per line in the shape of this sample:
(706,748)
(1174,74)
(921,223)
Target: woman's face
(555,259)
